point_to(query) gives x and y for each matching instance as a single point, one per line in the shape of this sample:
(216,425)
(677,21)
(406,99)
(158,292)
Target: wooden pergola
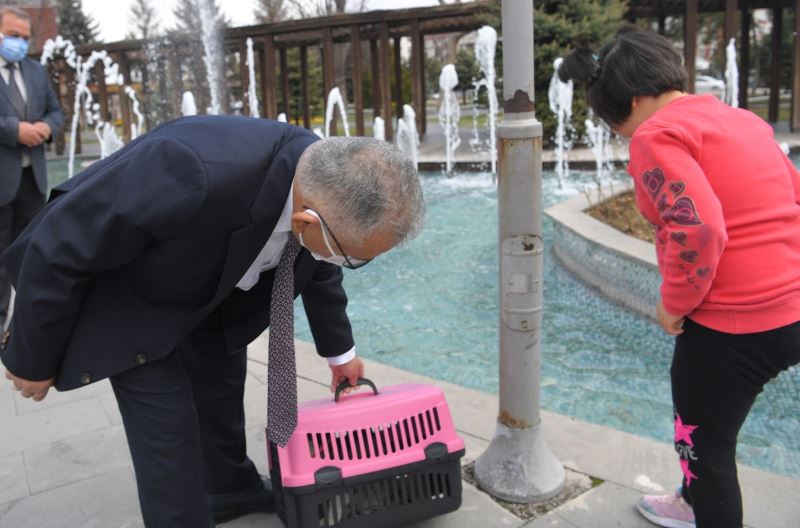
(690,10)
(382,29)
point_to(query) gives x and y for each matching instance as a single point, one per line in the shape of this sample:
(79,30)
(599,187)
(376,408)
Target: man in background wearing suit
(29,116)
(158,265)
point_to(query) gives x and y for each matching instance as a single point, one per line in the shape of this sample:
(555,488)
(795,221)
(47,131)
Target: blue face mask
(13,49)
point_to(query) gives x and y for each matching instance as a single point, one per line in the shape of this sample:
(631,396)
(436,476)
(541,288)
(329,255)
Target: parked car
(709,84)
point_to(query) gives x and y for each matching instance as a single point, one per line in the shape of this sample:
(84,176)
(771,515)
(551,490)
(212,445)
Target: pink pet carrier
(369,460)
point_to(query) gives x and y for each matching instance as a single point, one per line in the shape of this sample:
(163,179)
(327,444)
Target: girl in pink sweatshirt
(725,203)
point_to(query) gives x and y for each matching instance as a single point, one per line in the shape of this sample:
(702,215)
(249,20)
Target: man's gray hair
(367,186)
(16,11)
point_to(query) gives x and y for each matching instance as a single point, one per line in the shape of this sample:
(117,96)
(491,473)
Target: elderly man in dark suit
(158,265)
(29,116)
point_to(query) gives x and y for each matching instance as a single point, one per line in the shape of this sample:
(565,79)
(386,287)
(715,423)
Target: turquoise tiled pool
(431,308)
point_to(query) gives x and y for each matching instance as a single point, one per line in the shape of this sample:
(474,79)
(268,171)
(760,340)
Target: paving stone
(50,425)
(769,500)
(111,408)
(477,509)
(77,458)
(261,520)
(7,410)
(105,501)
(474,447)
(606,506)
(256,369)
(551,520)
(257,448)
(55,398)
(13,482)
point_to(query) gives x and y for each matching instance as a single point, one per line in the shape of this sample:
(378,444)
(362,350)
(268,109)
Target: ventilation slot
(311,450)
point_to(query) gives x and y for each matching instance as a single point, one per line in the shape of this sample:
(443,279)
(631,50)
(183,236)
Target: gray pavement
(64,462)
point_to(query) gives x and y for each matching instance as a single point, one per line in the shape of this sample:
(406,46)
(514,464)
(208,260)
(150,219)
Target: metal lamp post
(518,466)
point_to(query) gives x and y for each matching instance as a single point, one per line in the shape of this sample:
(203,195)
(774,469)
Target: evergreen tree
(144,19)
(74,24)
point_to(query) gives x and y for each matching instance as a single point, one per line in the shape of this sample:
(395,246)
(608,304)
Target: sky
(112,17)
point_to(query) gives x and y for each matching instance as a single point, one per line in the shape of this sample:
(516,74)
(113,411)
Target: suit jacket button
(141,359)
(86,378)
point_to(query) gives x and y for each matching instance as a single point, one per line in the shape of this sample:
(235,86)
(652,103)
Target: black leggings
(715,380)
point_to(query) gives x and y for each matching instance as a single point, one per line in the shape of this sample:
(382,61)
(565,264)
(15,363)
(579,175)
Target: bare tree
(144,19)
(452,40)
(320,8)
(271,10)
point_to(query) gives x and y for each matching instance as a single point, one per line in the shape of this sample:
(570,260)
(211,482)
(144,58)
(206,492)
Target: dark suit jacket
(42,106)
(132,255)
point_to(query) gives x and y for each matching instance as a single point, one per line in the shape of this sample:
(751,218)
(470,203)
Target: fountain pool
(431,307)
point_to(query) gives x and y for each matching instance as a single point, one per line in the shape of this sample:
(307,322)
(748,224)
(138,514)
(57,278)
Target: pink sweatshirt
(725,201)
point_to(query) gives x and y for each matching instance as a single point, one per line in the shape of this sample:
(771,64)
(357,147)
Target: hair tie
(597,67)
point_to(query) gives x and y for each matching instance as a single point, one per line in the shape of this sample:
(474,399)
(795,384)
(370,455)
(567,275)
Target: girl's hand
(672,324)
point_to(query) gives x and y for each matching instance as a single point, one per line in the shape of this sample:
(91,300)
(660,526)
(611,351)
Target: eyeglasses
(349,262)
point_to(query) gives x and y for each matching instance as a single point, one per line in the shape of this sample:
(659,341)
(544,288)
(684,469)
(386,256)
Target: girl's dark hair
(635,62)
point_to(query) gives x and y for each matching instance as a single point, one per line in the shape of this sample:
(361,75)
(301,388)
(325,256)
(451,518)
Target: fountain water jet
(560,97)
(251,85)
(407,139)
(136,129)
(485,48)
(335,100)
(188,106)
(449,112)
(731,75)
(213,59)
(379,129)
(599,138)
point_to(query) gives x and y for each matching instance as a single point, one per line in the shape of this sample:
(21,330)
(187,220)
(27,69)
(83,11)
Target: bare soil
(621,213)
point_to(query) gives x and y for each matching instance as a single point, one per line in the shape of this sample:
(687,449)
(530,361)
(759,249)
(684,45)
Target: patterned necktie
(14,93)
(281,374)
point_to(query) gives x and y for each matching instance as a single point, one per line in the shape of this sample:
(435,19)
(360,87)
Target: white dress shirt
(269,257)
(26,160)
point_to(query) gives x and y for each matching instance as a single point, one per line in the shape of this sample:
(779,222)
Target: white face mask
(338,260)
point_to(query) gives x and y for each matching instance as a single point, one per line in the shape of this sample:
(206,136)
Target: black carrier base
(384,499)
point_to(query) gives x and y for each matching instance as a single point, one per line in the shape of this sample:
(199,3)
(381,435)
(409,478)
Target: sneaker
(671,511)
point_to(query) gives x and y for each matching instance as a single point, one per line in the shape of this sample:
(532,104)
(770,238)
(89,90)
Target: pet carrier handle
(345,384)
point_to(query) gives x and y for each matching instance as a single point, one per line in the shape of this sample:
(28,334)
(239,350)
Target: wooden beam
(244,73)
(744,52)
(268,78)
(358,89)
(398,78)
(102,90)
(417,82)
(304,86)
(121,58)
(386,89)
(284,81)
(775,63)
(729,30)
(458,13)
(376,78)
(690,40)
(328,73)
(794,122)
